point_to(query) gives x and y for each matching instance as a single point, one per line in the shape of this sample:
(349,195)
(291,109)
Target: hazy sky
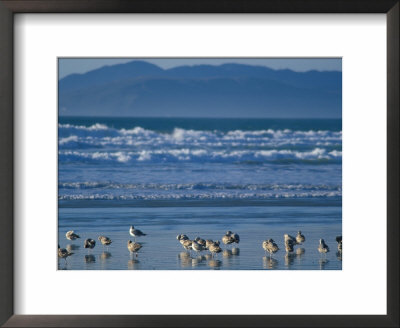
(82,65)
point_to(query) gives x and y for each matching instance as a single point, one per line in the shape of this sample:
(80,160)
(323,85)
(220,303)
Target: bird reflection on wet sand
(231,252)
(227,253)
(187,260)
(299,254)
(198,260)
(72,247)
(214,263)
(269,262)
(90,258)
(133,264)
(289,259)
(322,263)
(105,255)
(339,255)
(236,251)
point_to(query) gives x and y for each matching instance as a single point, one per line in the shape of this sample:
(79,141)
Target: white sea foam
(198,186)
(200,196)
(200,155)
(186,145)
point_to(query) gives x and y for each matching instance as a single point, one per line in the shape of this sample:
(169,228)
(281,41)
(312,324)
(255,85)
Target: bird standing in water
(89,243)
(136,232)
(133,247)
(63,253)
(214,248)
(289,244)
(339,243)
(270,246)
(228,239)
(300,238)
(323,248)
(70,235)
(105,240)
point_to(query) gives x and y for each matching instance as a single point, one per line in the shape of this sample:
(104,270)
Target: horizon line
(200,117)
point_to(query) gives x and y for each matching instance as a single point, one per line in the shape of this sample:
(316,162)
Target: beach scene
(199,164)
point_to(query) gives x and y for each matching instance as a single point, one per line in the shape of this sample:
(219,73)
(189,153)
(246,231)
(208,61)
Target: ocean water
(260,178)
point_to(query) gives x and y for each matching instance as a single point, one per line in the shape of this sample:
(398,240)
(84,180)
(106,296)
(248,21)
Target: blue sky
(82,65)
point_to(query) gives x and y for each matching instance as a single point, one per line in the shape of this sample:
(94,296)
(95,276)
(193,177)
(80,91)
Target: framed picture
(199,166)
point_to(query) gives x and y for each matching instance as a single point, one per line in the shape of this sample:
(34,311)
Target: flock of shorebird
(89,243)
(198,244)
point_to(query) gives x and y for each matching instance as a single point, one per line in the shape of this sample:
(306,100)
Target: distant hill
(139,88)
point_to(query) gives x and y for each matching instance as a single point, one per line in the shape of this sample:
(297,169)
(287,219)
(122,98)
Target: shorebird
(236,238)
(339,243)
(105,240)
(289,243)
(227,238)
(182,237)
(291,238)
(133,247)
(70,235)
(63,253)
(300,238)
(197,247)
(136,232)
(89,243)
(323,248)
(200,241)
(209,242)
(270,246)
(187,244)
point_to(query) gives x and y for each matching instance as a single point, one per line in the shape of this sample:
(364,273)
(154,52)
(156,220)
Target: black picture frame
(10,7)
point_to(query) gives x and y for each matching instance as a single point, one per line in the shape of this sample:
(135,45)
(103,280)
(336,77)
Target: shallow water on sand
(162,251)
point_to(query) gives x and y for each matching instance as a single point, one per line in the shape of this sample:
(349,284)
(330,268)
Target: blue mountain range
(139,88)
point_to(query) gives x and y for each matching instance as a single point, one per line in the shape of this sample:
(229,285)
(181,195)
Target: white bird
(201,242)
(181,237)
(300,238)
(323,248)
(136,232)
(70,235)
(197,247)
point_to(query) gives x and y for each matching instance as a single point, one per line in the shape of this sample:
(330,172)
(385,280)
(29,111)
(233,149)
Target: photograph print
(200,164)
